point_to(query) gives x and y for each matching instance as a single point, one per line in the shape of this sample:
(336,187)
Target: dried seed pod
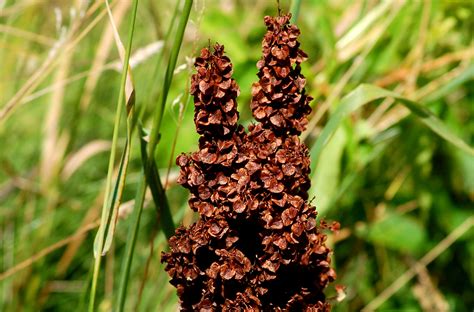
(215,94)
(257,245)
(279,100)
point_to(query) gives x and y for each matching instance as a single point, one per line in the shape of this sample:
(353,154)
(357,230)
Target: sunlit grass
(401,186)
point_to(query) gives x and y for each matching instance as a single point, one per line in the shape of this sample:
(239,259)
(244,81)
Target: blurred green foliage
(396,187)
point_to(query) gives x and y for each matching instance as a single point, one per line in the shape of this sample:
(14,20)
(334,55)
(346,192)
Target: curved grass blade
(154,137)
(130,245)
(365,94)
(151,171)
(151,174)
(466,75)
(104,236)
(107,227)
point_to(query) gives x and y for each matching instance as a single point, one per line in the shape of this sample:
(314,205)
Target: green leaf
(325,181)
(365,94)
(394,231)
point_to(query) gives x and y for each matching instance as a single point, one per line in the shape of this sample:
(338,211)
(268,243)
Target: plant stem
(151,175)
(106,205)
(151,171)
(130,245)
(295,10)
(154,137)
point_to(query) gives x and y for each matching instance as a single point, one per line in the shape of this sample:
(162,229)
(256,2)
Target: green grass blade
(151,171)
(111,203)
(161,201)
(154,137)
(365,94)
(158,72)
(110,206)
(365,23)
(151,174)
(295,10)
(157,191)
(134,225)
(141,191)
(130,245)
(448,88)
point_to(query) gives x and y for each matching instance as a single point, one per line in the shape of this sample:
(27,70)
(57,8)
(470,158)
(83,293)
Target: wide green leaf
(325,181)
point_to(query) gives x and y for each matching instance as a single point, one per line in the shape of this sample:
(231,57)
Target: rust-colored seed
(256,246)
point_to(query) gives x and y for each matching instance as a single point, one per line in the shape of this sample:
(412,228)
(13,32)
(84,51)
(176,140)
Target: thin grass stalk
(151,172)
(100,58)
(120,104)
(295,10)
(139,117)
(130,245)
(134,225)
(153,178)
(140,196)
(154,137)
(158,72)
(187,100)
(161,201)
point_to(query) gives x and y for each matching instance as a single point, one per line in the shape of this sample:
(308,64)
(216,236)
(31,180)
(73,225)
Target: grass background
(397,188)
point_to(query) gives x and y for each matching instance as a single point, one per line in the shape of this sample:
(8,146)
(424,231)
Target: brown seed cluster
(279,101)
(257,245)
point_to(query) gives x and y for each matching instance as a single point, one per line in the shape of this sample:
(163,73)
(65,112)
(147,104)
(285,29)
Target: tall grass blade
(365,23)
(365,94)
(152,174)
(154,137)
(151,171)
(111,203)
(130,245)
(108,228)
(466,75)
(158,73)
(295,10)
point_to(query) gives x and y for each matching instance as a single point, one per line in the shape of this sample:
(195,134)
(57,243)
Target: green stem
(118,115)
(154,137)
(151,175)
(151,171)
(295,10)
(130,245)
(161,201)
(158,73)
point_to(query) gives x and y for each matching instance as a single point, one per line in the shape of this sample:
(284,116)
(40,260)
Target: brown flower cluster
(257,245)
(279,101)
